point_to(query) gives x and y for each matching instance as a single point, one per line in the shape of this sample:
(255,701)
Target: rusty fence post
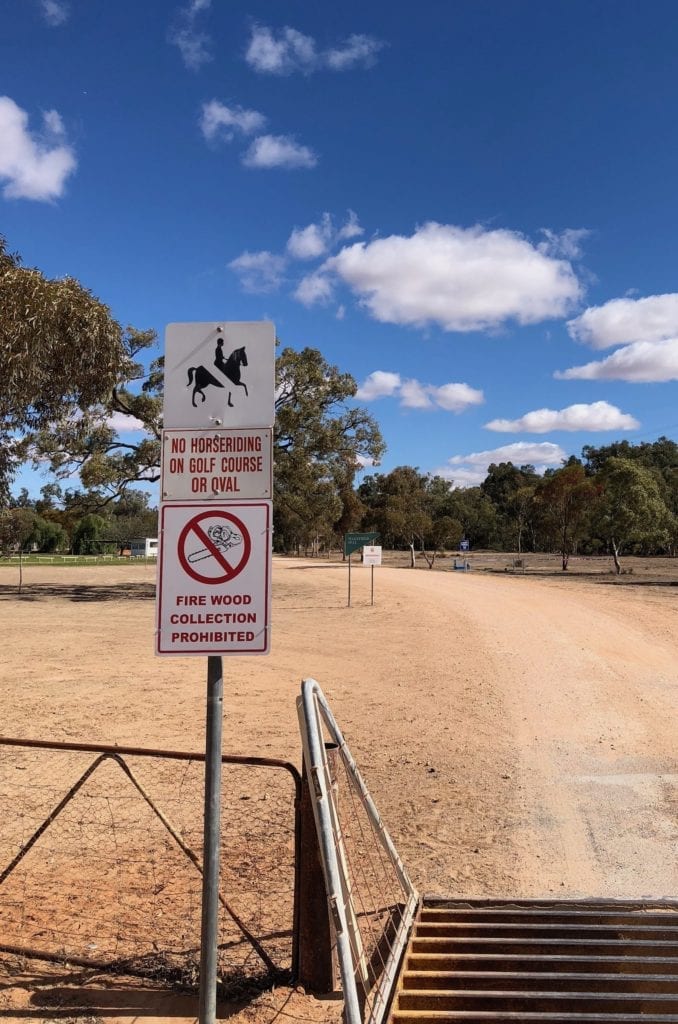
(318,971)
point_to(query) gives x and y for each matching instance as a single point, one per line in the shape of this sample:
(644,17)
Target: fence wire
(100,857)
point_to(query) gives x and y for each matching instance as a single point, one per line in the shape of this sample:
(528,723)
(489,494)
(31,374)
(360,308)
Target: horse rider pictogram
(200,377)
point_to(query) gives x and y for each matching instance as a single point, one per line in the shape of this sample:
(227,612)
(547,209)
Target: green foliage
(91,442)
(565,501)
(510,489)
(60,350)
(397,506)
(319,440)
(88,536)
(631,509)
(17,526)
(477,515)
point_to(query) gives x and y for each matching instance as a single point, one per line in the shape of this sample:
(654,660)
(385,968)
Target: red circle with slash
(196,546)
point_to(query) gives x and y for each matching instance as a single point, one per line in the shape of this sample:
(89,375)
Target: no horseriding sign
(209,465)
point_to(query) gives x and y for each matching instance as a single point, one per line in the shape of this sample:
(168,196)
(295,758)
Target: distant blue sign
(464,545)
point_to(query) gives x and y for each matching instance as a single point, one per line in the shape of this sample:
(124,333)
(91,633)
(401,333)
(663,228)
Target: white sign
(371,554)
(202,465)
(219,375)
(214,579)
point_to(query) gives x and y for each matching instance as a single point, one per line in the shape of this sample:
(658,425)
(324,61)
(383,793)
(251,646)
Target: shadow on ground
(95,592)
(85,997)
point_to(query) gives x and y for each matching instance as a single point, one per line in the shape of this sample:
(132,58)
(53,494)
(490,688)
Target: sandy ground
(518,735)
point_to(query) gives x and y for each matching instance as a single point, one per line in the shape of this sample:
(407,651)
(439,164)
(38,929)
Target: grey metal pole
(372,585)
(349,581)
(211,843)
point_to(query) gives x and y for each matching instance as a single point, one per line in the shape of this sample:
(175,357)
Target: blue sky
(470,206)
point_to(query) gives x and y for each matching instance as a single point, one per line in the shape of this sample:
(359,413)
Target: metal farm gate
(100,861)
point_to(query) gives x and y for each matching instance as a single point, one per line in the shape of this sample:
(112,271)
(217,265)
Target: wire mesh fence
(372,899)
(101,852)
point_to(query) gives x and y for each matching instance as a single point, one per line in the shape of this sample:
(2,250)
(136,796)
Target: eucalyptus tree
(631,508)
(60,351)
(566,501)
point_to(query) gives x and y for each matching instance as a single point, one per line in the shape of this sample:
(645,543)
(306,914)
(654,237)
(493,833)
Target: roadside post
(214,564)
(353,542)
(371,557)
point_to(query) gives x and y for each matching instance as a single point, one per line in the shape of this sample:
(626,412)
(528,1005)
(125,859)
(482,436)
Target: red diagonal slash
(230,571)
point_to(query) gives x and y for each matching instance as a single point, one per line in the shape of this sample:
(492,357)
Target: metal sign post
(214,579)
(371,557)
(211,843)
(353,542)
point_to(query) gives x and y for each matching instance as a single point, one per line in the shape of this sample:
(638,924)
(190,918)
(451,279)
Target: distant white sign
(219,374)
(371,554)
(214,579)
(202,465)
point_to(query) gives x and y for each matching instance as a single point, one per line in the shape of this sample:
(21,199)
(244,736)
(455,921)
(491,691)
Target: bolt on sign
(214,594)
(216,464)
(219,375)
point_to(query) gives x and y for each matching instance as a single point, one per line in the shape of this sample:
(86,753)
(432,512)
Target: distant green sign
(354,541)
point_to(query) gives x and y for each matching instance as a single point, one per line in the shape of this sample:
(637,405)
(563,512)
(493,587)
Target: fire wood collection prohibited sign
(214,579)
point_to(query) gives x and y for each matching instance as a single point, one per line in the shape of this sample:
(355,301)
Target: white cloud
(464,279)
(358,49)
(365,461)
(596,416)
(218,119)
(123,424)
(314,288)
(193,44)
(456,397)
(278,151)
(316,239)
(642,362)
(378,384)
(289,50)
(567,243)
(415,395)
(470,470)
(351,228)
(55,12)
(259,272)
(624,321)
(312,241)
(33,166)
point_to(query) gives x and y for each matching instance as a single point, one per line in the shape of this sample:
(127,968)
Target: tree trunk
(412,556)
(615,556)
(566,560)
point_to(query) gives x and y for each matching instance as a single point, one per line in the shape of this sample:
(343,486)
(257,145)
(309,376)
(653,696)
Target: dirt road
(519,736)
